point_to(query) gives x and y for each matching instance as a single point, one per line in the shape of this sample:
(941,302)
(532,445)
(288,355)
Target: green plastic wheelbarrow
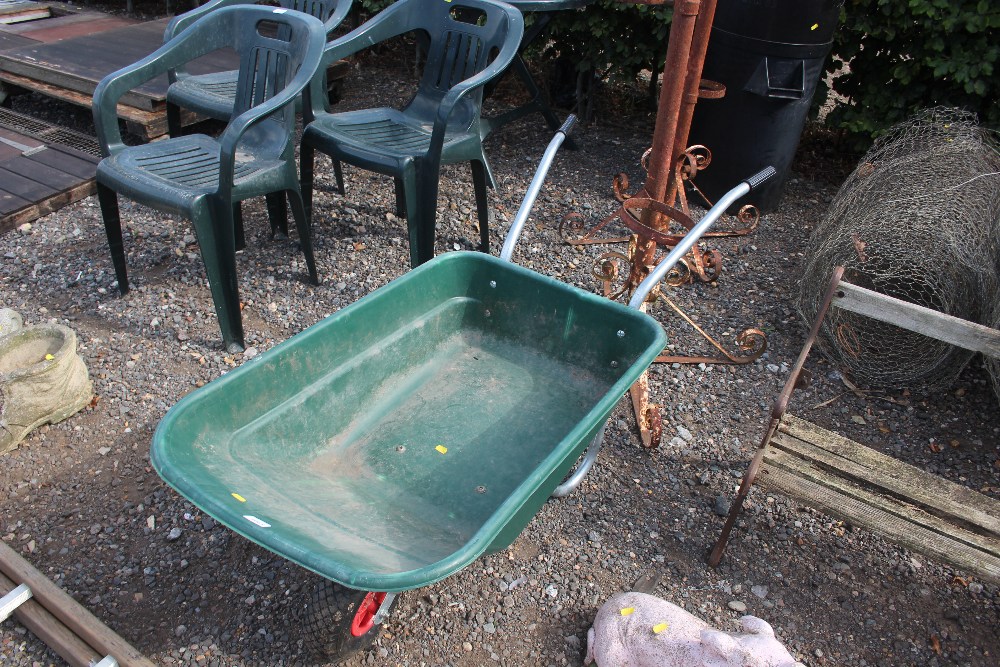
(396,441)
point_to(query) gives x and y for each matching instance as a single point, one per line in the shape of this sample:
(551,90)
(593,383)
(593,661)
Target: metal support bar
(581,471)
(13,600)
(384,608)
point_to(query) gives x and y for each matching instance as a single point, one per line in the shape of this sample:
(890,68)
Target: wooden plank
(70,612)
(10,40)
(919,319)
(51,177)
(909,534)
(891,476)
(73,162)
(74,25)
(24,187)
(8,204)
(794,471)
(33,210)
(16,138)
(50,630)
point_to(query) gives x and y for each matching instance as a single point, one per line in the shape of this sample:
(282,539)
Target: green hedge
(893,57)
(890,57)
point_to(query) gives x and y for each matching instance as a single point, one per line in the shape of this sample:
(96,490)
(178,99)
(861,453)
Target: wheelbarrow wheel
(338,621)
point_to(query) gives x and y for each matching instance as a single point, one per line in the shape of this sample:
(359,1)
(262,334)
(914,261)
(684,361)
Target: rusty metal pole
(643,255)
(696,62)
(682,30)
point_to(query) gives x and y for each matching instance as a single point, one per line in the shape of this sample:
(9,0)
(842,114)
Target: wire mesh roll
(919,220)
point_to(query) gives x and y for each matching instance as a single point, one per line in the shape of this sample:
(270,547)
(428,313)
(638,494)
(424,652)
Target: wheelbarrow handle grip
(517,226)
(694,235)
(568,124)
(760,177)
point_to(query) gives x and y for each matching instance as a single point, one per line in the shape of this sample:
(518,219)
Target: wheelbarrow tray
(394,442)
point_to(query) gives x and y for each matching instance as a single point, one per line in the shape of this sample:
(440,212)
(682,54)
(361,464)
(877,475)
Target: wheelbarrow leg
(581,471)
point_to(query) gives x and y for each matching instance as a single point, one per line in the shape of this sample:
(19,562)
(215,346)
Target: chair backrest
(330,12)
(462,37)
(272,45)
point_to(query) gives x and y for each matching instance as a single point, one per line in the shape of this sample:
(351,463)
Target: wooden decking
(42,168)
(68,59)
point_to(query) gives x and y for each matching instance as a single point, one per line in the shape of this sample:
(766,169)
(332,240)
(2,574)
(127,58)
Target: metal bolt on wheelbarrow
(392,444)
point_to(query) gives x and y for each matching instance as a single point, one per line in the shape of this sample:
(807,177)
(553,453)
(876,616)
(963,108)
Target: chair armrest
(114,85)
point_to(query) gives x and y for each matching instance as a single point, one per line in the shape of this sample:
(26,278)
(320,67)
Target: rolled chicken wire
(919,220)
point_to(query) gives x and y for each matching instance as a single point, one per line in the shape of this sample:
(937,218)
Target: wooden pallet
(916,509)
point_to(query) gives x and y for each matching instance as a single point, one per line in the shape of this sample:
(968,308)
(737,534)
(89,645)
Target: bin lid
(781,21)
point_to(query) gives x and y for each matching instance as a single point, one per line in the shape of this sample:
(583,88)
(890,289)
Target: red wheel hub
(365,615)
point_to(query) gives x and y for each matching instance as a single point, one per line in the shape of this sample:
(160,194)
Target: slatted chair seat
(171,175)
(847,480)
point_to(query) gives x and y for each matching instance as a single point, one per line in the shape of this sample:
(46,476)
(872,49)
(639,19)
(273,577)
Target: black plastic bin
(769,54)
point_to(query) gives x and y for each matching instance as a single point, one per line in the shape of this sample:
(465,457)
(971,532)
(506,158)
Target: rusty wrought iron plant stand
(659,213)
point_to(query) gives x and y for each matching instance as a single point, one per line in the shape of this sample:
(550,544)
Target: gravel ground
(81,502)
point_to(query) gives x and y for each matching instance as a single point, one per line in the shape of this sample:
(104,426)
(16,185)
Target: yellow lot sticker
(238,497)
(660,627)
(442,449)
(627,611)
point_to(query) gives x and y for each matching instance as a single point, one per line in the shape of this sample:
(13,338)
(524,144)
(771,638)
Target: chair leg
(306,159)
(215,228)
(108,199)
(174,128)
(412,201)
(482,204)
(424,219)
(277,214)
(401,208)
(238,231)
(338,172)
(302,224)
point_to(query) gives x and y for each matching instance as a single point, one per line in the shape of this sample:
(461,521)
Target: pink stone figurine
(640,630)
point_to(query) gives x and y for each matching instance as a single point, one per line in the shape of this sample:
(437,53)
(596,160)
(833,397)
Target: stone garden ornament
(42,378)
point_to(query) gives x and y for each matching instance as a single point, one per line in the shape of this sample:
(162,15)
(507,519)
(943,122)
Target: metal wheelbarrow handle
(668,262)
(516,227)
(695,233)
(642,291)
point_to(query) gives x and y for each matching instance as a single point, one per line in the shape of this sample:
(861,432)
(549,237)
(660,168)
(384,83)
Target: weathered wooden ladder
(844,479)
(59,620)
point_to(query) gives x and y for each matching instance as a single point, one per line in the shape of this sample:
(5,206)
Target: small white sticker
(280,11)
(257,522)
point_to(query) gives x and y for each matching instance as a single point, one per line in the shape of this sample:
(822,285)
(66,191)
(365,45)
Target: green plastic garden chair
(468,43)
(203,178)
